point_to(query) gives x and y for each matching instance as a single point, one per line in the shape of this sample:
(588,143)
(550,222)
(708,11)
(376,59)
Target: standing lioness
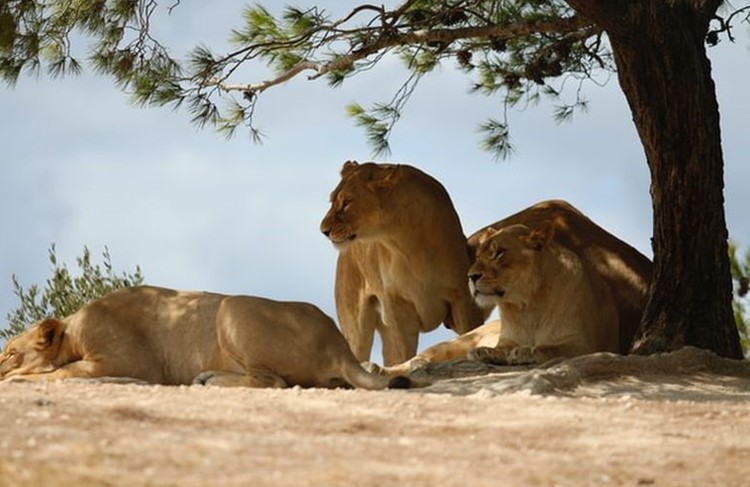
(402,259)
(177,337)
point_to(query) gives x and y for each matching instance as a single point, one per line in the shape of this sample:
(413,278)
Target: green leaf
(496,139)
(354,110)
(376,129)
(301,22)
(64,294)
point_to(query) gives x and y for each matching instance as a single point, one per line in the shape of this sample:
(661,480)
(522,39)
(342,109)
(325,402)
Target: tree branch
(390,40)
(253,89)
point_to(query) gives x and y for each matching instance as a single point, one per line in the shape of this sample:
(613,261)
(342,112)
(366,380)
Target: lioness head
(357,203)
(33,351)
(507,265)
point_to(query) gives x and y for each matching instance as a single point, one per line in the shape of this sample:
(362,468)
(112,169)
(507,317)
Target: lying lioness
(610,264)
(164,336)
(552,303)
(626,271)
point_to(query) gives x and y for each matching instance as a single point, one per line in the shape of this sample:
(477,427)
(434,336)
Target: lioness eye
(498,254)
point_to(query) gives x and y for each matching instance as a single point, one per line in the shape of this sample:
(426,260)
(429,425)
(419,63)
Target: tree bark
(665,74)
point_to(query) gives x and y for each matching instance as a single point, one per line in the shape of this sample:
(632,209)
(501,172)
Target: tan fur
(164,336)
(402,259)
(626,271)
(457,348)
(552,304)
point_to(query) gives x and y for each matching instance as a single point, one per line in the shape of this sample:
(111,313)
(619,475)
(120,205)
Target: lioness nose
(475,276)
(326,232)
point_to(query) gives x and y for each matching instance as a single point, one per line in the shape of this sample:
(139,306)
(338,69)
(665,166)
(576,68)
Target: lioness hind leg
(454,349)
(255,378)
(404,368)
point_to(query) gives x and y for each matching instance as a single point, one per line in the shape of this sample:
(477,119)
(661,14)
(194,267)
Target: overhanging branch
(392,38)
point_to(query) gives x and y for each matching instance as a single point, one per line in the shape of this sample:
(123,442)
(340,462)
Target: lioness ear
(539,237)
(486,234)
(385,178)
(348,167)
(48,333)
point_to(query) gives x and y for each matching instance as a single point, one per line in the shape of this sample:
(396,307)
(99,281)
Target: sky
(81,166)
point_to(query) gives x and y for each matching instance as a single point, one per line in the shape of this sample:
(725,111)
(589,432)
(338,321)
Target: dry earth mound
(673,419)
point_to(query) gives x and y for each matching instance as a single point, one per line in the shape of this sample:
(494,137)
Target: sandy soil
(678,419)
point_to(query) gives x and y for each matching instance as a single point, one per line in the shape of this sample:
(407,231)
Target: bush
(741,301)
(63,293)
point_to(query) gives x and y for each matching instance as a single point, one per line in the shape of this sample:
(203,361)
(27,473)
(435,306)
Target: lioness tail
(357,376)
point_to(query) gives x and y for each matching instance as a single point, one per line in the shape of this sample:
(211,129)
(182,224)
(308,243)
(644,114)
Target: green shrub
(741,300)
(63,293)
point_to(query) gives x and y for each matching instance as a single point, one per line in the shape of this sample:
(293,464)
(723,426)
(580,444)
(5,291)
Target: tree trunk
(666,77)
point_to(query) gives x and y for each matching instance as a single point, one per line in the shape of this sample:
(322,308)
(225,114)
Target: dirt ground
(677,419)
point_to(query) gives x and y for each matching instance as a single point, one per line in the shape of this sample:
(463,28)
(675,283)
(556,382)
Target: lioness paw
(203,378)
(418,363)
(372,367)
(252,378)
(15,378)
(489,355)
(522,356)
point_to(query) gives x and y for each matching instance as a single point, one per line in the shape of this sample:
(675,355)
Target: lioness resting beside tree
(552,304)
(402,259)
(164,336)
(626,271)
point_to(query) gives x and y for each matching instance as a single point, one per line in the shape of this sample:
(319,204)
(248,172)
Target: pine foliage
(516,47)
(515,51)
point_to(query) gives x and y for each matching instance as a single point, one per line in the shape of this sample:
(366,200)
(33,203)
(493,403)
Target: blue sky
(81,166)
